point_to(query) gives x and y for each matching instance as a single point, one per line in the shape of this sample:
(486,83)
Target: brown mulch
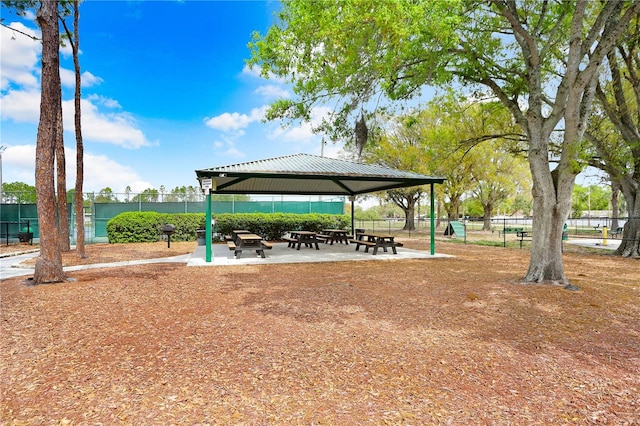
(452,341)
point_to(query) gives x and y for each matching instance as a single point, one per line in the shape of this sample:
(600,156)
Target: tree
(74,40)
(358,55)
(399,147)
(585,199)
(615,133)
(61,182)
(149,195)
(19,193)
(106,195)
(48,266)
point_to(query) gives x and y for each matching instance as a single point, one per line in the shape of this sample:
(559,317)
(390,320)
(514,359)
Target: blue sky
(165,91)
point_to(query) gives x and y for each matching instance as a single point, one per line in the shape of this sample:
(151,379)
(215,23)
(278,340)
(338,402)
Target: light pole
(2,148)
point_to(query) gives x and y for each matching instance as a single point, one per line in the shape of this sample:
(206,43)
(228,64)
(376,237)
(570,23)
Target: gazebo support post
(208,228)
(433,221)
(352,198)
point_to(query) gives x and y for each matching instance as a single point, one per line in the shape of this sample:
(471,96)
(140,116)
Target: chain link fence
(15,212)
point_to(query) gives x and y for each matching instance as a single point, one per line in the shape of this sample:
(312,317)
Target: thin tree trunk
(61,166)
(48,266)
(79,199)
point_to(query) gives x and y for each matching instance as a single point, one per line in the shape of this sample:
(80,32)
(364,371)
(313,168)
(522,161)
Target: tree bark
(61,169)
(615,209)
(79,199)
(486,220)
(630,244)
(48,266)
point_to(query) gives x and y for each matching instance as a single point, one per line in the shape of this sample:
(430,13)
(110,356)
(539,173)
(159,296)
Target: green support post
(433,222)
(208,228)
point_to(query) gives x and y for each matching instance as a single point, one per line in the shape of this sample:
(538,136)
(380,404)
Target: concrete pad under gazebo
(305,174)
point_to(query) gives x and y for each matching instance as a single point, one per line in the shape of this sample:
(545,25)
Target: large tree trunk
(630,244)
(548,220)
(486,220)
(49,264)
(409,215)
(615,209)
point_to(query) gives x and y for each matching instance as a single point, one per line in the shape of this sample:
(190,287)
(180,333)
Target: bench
(323,237)
(291,241)
(366,245)
(617,232)
(510,230)
(237,251)
(524,236)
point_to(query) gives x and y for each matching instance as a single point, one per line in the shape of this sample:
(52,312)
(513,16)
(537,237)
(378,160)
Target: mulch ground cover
(451,341)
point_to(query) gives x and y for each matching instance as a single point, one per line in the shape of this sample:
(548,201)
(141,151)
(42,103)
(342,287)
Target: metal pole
(352,198)
(208,228)
(2,148)
(433,222)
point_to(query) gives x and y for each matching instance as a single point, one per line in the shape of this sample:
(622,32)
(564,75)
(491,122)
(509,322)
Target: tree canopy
(539,58)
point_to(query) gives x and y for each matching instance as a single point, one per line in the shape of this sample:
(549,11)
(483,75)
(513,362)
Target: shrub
(141,227)
(135,227)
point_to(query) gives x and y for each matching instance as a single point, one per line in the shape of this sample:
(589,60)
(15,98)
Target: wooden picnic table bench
(298,238)
(248,242)
(524,236)
(334,235)
(376,241)
(510,230)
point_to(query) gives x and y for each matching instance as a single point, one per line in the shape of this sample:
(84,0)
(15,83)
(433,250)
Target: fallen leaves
(307,344)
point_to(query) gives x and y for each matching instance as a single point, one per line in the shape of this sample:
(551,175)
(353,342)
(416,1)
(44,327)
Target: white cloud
(103,100)
(304,131)
(272,92)
(117,128)
(235,122)
(19,57)
(99,171)
(20,99)
(21,106)
(227,148)
(68,78)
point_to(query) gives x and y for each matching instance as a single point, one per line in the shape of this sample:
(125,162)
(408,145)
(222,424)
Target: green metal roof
(305,174)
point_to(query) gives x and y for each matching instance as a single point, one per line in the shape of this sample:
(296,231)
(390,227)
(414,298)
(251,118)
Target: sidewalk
(611,244)
(280,253)
(10,265)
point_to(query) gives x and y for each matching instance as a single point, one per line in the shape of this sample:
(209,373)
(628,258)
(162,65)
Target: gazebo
(305,174)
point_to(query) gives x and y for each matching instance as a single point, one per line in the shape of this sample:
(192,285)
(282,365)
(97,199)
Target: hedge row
(272,226)
(143,227)
(134,227)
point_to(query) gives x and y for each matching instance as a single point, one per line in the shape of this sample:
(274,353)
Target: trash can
(201,237)
(565,232)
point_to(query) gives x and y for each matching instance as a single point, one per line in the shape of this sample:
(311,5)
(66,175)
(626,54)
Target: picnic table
(524,235)
(247,241)
(334,235)
(376,241)
(298,238)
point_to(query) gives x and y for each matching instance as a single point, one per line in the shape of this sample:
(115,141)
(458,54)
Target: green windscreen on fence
(103,212)
(15,215)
